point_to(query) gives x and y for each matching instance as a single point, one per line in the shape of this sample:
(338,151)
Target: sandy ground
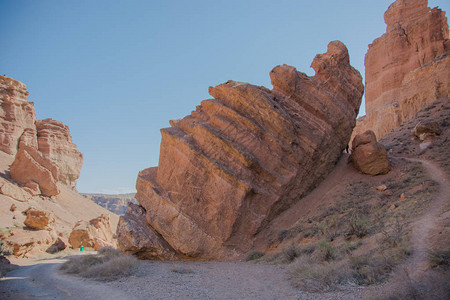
(162,280)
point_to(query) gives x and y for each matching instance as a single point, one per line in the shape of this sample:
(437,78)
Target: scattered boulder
(407,68)
(426,130)
(93,234)
(57,246)
(381,188)
(38,219)
(30,165)
(242,158)
(368,156)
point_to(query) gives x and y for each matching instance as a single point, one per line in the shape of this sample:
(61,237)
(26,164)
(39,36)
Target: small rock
(393,206)
(388,193)
(402,197)
(13,207)
(427,129)
(381,188)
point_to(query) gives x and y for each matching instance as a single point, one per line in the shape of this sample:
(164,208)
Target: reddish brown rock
(57,246)
(139,239)
(369,156)
(32,188)
(426,130)
(407,68)
(242,158)
(39,219)
(49,138)
(93,234)
(30,165)
(16,114)
(55,143)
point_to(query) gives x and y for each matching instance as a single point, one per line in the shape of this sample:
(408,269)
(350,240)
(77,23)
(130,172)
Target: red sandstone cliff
(407,68)
(39,146)
(241,159)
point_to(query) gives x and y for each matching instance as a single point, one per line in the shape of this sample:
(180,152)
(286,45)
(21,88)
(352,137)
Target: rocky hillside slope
(241,159)
(114,203)
(407,68)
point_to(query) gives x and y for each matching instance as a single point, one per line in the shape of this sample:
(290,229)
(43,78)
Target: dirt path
(417,264)
(42,280)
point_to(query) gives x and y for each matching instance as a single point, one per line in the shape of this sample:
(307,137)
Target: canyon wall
(242,158)
(41,146)
(407,68)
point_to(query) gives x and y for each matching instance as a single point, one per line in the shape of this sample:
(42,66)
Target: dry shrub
(434,285)
(312,276)
(358,226)
(254,256)
(108,264)
(439,257)
(181,270)
(324,251)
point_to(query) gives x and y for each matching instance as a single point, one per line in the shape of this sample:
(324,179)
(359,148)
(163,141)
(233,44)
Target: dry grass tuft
(108,264)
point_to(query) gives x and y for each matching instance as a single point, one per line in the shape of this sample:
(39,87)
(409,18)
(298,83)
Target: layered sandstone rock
(407,68)
(137,238)
(24,244)
(369,156)
(35,141)
(16,114)
(94,234)
(55,143)
(30,166)
(39,219)
(240,159)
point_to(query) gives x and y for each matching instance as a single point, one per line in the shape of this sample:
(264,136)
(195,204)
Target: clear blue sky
(118,71)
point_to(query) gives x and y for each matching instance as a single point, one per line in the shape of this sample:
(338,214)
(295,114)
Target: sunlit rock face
(55,143)
(38,146)
(16,114)
(242,158)
(407,68)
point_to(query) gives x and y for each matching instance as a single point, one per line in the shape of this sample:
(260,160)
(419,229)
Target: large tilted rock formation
(44,151)
(240,159)
(407,68)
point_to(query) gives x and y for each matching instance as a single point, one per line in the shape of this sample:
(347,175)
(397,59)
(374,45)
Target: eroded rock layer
(240,159)
(55,143)
(16,114)
(47,141)
(407,68)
